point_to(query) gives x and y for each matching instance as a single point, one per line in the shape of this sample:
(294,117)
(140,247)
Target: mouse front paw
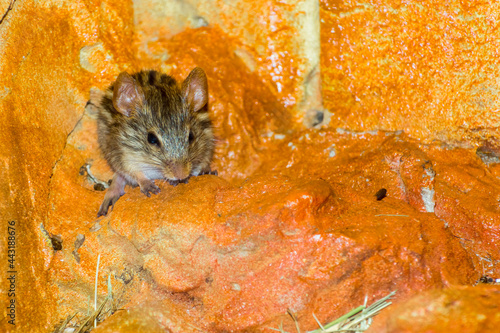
(177,182)
(149,186)
(115,191)
(109,201)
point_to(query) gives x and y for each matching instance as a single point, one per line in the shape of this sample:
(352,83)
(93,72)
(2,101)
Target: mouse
(150,127)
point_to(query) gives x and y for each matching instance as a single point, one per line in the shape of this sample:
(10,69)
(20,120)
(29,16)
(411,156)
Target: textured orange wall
(43,90)
(277,40)
(429,68)
(51,55)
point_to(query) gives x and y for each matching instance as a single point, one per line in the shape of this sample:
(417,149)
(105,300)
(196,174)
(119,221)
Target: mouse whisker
(152,102)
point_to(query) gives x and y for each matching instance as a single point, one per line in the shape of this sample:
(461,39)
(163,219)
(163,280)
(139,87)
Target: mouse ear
(195,89)
(127,94)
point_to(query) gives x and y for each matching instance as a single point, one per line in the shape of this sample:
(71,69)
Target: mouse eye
(191,136)
(153,139)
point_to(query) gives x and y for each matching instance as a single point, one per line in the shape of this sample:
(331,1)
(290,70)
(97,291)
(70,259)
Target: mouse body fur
(150,127)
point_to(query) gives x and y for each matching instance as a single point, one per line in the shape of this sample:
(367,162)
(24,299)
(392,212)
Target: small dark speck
(318,118)
(110,181)
(99,187)
(56,242)
(485,279)
(219,215)
(126,277)
(83,170)
(382,193)
(209,279)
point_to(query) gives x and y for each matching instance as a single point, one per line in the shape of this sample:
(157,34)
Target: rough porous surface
(306,220)
(278,40)
(429,69)
(465,309)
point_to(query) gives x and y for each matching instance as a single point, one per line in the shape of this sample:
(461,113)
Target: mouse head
(166,130)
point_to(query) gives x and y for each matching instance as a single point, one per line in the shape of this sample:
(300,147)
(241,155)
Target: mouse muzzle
(180,171)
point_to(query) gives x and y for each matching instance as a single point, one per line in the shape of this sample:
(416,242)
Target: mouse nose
(181,171)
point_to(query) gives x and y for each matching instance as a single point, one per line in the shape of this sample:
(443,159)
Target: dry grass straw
(92,319)
(356,320)
(98,315)
(65,323)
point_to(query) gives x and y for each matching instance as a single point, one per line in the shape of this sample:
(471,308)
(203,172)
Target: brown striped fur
(165,109)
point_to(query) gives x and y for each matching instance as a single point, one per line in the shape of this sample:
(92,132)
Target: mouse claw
(115,191)
(109,201)
(173,182)
(210,172)
(149,187)
(177,181)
